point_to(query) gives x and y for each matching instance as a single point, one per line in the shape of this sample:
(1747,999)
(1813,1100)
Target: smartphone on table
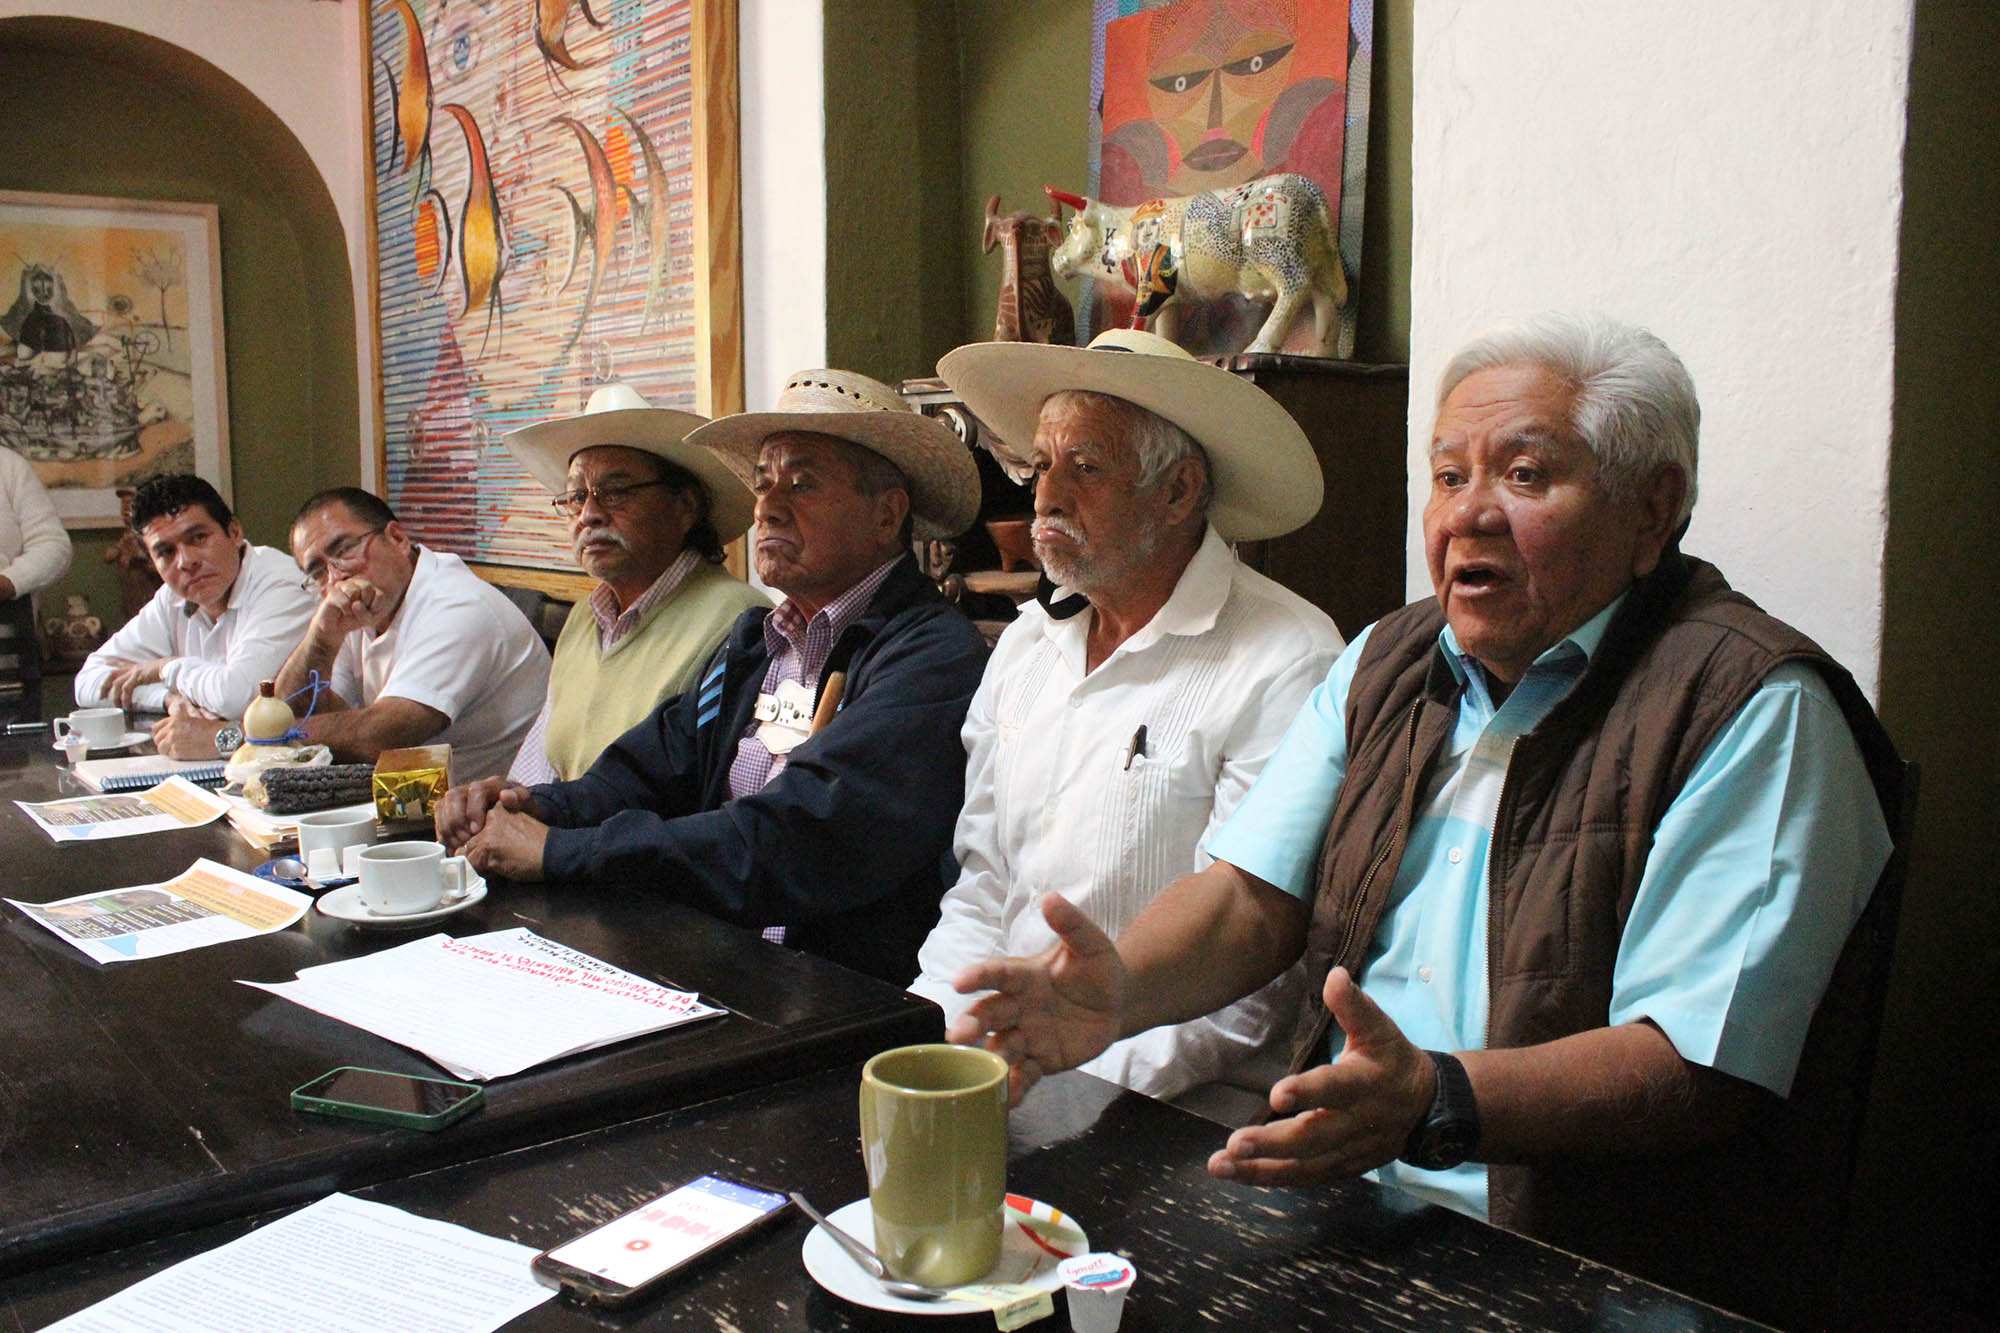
(634,1255)
(389,1099)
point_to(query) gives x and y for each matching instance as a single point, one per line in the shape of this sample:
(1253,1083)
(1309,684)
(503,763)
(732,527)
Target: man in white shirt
(224,618)
(34,549)
(1118,724)
(409,646)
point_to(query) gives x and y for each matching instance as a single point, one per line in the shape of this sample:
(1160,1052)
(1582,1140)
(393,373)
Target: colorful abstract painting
(539,187)
(111,364)
(1194,95)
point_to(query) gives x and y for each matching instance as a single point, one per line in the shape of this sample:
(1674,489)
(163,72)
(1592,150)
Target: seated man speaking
(1118,726)
(648,514)
(1573,848)
(221,623)
(416,648)
(810,780)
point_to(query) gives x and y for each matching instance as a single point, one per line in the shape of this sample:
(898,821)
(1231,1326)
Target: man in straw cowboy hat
(808,782)
(1574,848)
(648,514)
(1119,724)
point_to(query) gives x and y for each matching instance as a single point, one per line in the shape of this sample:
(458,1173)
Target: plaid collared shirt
(531,765)
(799,649)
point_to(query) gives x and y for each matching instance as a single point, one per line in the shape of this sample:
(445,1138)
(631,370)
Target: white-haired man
(1574,849)
(1118,725)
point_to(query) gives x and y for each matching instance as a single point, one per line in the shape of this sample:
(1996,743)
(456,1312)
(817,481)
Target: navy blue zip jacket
(849,846)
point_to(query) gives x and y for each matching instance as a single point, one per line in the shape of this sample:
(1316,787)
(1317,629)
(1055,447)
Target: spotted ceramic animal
(1271,239)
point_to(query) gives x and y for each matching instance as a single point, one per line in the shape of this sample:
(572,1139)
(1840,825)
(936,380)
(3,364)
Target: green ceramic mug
(934,1140)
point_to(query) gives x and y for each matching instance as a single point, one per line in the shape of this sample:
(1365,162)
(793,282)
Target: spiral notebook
(140,772)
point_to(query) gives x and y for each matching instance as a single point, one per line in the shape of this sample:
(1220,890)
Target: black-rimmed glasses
(610,499)
(344,555)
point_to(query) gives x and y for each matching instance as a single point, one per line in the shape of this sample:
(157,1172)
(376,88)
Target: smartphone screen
(655,1238)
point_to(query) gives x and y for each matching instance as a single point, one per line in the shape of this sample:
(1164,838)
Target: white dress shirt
(216,663)
(1051,801)
(34,549)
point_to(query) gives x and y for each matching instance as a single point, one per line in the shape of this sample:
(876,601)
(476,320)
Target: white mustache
(606,533)
(1057,527)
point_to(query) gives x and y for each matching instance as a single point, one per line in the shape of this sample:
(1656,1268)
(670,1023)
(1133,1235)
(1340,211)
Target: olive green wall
(892,185)
(933,108)
(1925,1216)
(142,119)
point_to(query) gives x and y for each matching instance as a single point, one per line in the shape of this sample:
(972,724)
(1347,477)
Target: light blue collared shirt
(1758,871)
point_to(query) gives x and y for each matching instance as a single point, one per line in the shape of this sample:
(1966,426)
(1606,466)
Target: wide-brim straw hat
(619,414)
(944,481)
(1267,480)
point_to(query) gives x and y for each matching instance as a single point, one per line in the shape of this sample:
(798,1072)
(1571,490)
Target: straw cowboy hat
(618,414)
(944,481)
(1267,480)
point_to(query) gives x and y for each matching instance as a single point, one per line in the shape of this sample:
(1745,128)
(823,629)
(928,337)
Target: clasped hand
(492,824)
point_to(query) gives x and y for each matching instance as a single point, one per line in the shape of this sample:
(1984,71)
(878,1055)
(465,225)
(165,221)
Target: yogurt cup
(1095,1287)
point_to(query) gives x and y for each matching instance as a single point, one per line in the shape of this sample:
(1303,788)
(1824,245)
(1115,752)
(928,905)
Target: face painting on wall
(1205,94)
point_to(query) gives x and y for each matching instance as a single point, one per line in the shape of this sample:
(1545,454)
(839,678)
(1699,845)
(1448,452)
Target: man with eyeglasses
(647,516)
(808,783)
(225,616)
(412,647)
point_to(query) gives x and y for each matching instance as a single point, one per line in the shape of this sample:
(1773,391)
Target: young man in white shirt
(410,647)
(224,618)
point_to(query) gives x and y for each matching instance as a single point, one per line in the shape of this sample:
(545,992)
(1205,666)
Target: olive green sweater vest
(596,696)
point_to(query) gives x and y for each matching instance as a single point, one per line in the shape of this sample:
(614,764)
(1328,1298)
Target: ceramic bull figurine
(1031,308)
(1271,239)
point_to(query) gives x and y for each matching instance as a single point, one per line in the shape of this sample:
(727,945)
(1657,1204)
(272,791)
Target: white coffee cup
(102,727)
(333,830)
(399,878)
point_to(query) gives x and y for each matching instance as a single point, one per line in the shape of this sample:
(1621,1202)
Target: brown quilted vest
(1574,826)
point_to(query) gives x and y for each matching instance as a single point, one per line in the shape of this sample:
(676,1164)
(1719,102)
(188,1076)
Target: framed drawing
(555,207)
(111,366)
(1195,95)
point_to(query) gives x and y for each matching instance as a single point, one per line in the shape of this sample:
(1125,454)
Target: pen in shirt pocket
(1137,749)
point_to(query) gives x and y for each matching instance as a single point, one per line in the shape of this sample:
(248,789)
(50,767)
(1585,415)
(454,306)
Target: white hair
(1635,405)
(1157,442)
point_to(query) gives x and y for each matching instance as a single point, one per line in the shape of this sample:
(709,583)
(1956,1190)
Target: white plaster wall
(784,193)
(1728,175)
(303,61)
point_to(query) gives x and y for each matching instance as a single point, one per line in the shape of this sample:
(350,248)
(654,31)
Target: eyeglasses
(610,499)
(344,555)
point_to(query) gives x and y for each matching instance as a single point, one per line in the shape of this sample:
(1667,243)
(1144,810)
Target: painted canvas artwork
(1199,95)
(536,190)
(111,367)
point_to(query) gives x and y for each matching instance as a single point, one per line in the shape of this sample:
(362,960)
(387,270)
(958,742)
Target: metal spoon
(866,1258)
(289,867)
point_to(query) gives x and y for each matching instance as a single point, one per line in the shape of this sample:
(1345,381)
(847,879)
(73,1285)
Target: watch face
(227,739)
(1445,1146)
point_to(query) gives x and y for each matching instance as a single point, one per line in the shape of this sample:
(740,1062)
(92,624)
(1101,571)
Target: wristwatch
(227,739)
(1449,1132)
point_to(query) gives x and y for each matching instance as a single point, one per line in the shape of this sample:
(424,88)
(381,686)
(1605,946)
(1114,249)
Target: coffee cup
(934,1141)
(400,878)
(333,831)
(102,727)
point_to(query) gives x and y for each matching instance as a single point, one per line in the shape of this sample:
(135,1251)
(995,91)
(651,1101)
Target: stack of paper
(490,1005)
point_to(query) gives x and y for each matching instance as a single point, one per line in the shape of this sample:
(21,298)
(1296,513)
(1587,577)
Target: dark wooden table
(1211,1254)
(143,1097)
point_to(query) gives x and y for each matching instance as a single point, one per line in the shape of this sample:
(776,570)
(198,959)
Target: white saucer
(345,905)
(130,739)
(1027,1259)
